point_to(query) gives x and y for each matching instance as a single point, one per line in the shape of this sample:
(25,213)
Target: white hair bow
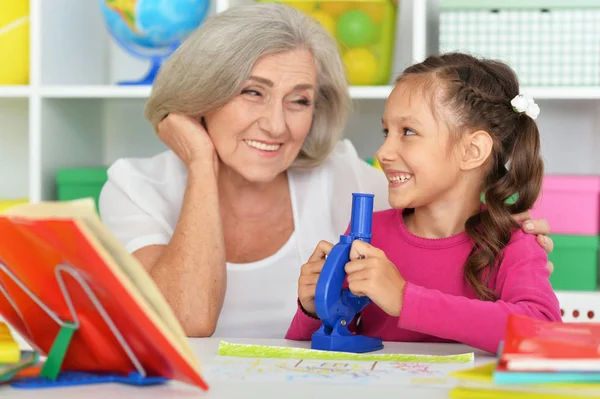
(524,103)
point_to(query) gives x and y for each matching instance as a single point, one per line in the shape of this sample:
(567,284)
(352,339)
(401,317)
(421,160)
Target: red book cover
(527,338)
(34,240)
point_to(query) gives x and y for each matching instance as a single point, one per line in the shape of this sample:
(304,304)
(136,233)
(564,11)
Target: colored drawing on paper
(269,364)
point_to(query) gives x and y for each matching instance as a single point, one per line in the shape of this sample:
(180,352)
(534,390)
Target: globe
(152,29)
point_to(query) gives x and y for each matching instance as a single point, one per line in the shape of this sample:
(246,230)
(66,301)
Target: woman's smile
(264,148)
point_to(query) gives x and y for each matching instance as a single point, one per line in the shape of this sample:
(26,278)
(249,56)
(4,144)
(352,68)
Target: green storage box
(575,261)
(76,183)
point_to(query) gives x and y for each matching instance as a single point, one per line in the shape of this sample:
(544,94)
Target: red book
(34,240)
(540,345)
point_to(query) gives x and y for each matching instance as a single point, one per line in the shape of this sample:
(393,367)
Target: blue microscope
(337,307)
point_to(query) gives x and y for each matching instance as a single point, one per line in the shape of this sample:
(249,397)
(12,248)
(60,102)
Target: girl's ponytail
(491,229)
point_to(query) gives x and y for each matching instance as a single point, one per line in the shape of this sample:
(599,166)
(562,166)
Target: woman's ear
(477,147)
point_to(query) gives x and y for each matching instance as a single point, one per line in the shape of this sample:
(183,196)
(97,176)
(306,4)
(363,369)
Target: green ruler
(279,352)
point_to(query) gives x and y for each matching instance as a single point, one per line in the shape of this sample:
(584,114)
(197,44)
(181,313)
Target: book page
(124,265)
(138,277)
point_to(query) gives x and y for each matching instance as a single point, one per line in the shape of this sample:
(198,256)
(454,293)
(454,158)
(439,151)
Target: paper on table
(262,363)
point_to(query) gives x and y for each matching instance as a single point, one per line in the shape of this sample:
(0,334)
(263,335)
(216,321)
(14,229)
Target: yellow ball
(336,8)
(325,20)
(304,6)
(361,66)
(375,10)
(14,42)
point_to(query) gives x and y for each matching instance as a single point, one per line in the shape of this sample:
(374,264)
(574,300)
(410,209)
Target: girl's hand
(371,274)
(309,275)
(540,228)
(188,139)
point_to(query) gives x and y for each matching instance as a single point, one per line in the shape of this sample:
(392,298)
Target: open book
(35,239)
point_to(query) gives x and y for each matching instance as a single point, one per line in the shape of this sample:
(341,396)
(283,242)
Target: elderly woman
(252,107)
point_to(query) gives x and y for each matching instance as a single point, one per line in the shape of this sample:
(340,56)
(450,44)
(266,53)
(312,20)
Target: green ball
(356,29)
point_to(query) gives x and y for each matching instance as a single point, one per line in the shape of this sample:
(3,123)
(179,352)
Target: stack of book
(538,360)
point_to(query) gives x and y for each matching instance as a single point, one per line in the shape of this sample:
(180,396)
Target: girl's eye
(409,132)
(385,132)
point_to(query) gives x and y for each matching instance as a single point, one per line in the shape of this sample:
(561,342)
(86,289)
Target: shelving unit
(73,113)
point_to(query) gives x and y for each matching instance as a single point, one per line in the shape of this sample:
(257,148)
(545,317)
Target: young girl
(443,267)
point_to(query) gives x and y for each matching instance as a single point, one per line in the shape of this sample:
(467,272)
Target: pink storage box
(570,204)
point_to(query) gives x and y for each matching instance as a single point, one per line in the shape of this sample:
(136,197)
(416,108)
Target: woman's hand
(309,275)
(541,229)
(371,274)
(188,139)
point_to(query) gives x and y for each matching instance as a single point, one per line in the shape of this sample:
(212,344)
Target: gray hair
(210,66)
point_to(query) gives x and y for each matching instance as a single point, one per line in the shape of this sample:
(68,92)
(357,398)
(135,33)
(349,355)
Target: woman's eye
(251,92)
(409,132)
(304,101)
(385,132)
(301,101)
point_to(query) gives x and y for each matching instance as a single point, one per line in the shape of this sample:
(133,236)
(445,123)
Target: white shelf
(14,91)
(370,92)
(95,91)
(563,93)
(114,91)
(538,93)
(357,92)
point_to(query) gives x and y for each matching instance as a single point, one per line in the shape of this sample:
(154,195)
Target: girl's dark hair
(478,94)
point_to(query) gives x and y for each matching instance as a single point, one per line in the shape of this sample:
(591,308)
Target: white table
(206,350)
